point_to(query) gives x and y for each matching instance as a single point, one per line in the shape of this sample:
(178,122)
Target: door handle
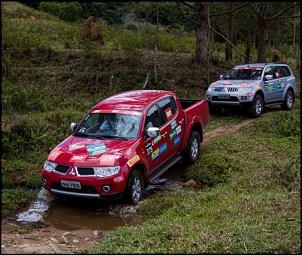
(181,121)
(164,134)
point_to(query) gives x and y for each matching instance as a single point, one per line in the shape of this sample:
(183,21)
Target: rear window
(286,71)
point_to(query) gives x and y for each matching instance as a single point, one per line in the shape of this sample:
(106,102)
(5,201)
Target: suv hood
(237,83)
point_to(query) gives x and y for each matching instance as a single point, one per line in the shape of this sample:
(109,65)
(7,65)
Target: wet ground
(74,214)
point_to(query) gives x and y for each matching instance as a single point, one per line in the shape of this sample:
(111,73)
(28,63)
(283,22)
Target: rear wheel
(135,188)
(192,151)
(256,108)
(288,101)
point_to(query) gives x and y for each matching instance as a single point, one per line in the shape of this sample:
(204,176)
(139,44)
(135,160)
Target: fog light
(106,188)
(44,182)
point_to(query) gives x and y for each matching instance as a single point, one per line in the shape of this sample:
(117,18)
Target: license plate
(223,96)
(70,184)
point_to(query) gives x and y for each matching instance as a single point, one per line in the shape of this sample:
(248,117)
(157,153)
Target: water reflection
(77,213)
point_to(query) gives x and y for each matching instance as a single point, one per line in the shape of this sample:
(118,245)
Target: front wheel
(256,108)
(192,151)
(288,101)
(135,188)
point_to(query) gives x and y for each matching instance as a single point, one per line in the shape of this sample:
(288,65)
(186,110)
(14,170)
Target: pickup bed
(124,143)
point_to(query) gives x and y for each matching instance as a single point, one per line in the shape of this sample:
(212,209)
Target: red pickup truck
(124,143)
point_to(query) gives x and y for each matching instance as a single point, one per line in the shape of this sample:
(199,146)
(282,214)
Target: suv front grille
(232,89)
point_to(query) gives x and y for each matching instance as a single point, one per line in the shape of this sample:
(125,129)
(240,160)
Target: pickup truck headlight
(49,166)
(106,171)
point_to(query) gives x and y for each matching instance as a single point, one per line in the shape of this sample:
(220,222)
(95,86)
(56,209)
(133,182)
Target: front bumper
(89,187)
(228,98)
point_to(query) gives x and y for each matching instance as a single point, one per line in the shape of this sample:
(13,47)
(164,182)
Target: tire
(256,108)
(135,188)
(192,151)
(288,101)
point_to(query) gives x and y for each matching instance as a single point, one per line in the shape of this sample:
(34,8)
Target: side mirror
(268,77)
(221,76)
(153,131)
(73,126)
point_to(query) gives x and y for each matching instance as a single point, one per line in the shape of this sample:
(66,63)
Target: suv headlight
(106,171)
(49,166)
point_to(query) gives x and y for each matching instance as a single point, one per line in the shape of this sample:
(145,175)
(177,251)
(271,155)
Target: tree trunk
(230,35)
(202,29)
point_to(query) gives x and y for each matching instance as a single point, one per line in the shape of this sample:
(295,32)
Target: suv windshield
(243,74)
(110,125)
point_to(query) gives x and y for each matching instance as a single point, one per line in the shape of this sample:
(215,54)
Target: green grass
(251,205)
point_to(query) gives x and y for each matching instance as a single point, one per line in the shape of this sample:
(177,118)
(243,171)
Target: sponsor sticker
(155,154)
(76,146)
(162,148)
(176,140)
(132,161)
(107,160)
(168,113)
(78,158)
(54,154)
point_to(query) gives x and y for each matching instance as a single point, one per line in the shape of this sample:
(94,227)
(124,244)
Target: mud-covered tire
(192,151)
(255,110)
(288,101)
(135,188)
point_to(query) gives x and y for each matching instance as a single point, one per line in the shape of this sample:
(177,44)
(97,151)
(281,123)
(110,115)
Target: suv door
(273,88)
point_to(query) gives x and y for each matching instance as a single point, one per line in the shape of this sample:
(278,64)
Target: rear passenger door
(274,88)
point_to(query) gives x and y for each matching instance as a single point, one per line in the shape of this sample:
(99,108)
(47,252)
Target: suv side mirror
(268,77)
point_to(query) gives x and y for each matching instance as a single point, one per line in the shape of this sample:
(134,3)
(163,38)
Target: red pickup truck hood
(86,151)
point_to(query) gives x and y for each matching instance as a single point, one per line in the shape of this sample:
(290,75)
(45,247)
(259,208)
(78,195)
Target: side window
(277,73)
(268,71)
(153,118)
(168,108)
(286,71)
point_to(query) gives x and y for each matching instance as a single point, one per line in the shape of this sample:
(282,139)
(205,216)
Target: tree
(202,9)
(261,10)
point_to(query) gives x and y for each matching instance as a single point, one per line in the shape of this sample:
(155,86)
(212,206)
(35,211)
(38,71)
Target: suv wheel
(256,108)
(193,148)
(288,101)
(135,188)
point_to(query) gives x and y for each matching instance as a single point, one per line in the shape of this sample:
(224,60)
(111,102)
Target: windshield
(108,125)
(243,74)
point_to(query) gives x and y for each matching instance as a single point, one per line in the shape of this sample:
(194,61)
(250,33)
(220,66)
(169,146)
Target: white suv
(253,86)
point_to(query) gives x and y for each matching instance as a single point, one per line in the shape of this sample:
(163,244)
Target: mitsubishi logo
(72,171)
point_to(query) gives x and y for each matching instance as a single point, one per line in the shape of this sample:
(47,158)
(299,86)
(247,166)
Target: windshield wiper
(116,137)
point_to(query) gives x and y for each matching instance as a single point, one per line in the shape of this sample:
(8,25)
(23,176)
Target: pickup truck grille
(85,170)
(62,169)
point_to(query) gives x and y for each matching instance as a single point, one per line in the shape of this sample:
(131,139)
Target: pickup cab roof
(132,100)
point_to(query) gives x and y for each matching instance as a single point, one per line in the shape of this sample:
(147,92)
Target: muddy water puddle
(77,213)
